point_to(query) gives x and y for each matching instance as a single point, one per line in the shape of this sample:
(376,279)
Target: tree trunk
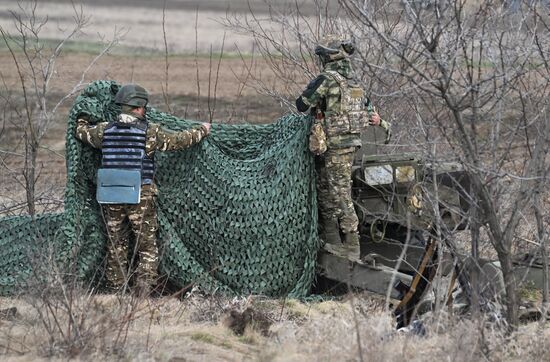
(29,174)
(511,289)
(544,257)
(542,239)
(474,276)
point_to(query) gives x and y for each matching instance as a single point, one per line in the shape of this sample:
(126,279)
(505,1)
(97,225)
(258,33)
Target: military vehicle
(407,208)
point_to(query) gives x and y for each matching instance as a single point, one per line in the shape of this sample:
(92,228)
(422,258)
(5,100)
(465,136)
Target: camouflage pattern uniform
(141,218)
(329,94)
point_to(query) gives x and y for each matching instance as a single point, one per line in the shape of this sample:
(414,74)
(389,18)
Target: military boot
(351,245)
(330,232)
(331,237)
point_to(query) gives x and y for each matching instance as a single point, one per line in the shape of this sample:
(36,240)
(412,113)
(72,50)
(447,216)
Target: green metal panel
(376,279)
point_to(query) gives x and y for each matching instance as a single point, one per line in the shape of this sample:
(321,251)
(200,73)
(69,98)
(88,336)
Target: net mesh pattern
(237,213)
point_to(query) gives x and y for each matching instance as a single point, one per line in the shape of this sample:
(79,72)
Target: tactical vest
(351,118)
(123,147)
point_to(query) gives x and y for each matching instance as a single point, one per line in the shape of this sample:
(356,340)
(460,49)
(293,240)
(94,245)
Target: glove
(207,127)
(387,127)
(388,136)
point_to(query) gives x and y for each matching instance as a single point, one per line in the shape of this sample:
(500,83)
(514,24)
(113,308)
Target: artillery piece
(406,208)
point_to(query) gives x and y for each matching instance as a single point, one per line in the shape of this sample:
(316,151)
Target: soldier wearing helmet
(338,103)
(128,146)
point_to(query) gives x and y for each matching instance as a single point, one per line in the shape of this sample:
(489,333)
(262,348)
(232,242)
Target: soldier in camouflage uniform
(122,143)
(338,101)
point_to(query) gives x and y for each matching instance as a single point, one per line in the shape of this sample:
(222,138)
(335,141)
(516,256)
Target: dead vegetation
(167,328)
(465,81)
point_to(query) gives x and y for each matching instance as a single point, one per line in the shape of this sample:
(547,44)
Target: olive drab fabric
(317,138)
(350,117)
(341,100)
(122,220)
(333,47)
(324,93)
(237,212)
(132,95)
(128,144)
(334,188)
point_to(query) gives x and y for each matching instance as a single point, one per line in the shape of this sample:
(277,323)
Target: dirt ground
(355,327)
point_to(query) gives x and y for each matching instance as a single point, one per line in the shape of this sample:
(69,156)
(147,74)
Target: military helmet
(132,95)
(334,47)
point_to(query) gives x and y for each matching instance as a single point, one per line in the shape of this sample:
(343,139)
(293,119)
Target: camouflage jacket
(323,94)
(158,139)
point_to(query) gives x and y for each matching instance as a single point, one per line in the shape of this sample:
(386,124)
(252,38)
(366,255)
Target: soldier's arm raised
(377,121)
(312,95)
(90,134)
(172,141)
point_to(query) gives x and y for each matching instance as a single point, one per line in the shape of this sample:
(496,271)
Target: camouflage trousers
(122,220)
(334,188)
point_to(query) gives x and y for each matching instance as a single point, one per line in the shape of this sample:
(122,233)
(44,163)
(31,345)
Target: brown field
(138,57)
(139,23)
(235,103)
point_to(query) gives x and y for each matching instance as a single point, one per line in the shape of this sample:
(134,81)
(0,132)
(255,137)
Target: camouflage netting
(237,212)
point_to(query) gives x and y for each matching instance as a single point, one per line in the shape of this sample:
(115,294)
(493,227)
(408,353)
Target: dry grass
(167,329)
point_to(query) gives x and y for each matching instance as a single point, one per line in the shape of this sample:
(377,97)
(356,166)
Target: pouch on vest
(115,186)
(317,138)
(351,118)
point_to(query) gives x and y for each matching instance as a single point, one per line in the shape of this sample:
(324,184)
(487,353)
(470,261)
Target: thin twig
(165,93)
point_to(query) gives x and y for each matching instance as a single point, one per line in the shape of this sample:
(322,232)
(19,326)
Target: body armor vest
(351,118)
(123,147)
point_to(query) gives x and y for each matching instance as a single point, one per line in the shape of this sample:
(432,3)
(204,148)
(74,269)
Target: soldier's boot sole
(330,232)
(332,238)
(337,249)
(333,244)
(351,244)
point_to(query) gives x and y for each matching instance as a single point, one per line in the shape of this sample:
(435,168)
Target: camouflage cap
(334,47)
(132,95)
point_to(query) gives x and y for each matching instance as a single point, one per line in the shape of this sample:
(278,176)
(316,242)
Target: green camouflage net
(237,212)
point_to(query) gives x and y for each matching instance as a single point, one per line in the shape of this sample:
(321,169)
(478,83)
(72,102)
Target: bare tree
(465,81)
(35,63)
(165,93)
(476,73)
